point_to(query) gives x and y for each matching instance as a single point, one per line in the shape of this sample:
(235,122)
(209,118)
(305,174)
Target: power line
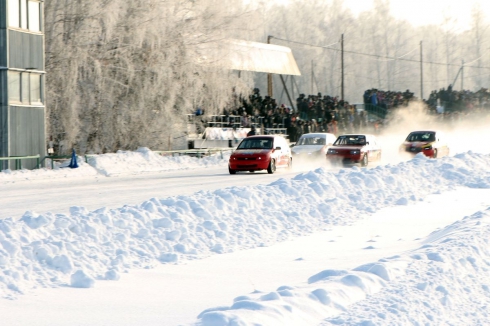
(328,47)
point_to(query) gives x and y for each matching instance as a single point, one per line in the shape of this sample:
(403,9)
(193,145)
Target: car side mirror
(278,148)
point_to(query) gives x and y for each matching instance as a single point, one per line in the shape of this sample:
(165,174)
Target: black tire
(290,164)
(272,167)
(435,154)
(251,171)
(231,171)
(364,161)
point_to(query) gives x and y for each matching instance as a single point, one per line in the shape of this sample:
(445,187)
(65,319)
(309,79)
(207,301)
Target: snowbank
(444,282)
(52,250)
(121,163)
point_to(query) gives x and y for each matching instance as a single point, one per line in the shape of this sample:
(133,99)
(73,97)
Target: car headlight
(259,158)
(331,151)
(355,152)
(428,148)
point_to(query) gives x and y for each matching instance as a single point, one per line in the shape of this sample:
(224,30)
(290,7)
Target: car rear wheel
(290,164)
(272,167)
(231,171)
(435,154)
(364,161)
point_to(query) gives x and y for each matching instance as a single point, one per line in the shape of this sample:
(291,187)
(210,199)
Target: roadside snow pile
(61,171)
(48,250)
(144,160)
(428,286)
(123,162)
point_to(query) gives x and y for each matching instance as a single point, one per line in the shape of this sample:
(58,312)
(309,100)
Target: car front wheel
(231,171)
(272,167)
(435,154)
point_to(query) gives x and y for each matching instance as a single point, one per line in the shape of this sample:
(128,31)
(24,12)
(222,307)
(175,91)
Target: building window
(25,14)
(34,16)
(35,87)
(25,87)
(14,86)
(14,13)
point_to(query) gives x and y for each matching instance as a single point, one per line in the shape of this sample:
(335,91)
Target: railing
(18,160)
(276,131)
(376,111)
(199,153)
(231,121)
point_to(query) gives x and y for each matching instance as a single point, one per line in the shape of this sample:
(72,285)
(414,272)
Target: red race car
(257,153)
(353,149)
(431,143)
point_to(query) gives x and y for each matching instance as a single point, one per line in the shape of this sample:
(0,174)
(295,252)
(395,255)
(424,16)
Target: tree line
(124,74)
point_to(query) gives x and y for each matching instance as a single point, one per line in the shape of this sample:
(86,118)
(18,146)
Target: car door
(284,151)
(442,146)
(278,153)
(287,152)
(373,148)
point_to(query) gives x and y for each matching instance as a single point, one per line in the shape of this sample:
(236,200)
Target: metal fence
(18,160)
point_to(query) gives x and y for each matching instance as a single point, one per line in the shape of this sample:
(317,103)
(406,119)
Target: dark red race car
(257,153)
(431,143)
(354,149)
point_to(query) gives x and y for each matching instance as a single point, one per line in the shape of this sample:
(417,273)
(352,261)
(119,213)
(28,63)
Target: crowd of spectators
(324,113)
(464,101)
(387,99)
(312,113)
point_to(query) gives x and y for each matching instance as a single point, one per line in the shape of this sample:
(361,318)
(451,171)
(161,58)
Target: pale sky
(424,12)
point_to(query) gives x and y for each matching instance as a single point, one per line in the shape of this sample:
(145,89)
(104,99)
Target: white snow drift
(84,247)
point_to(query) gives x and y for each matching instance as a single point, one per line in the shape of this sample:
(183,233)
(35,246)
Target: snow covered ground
(404,242)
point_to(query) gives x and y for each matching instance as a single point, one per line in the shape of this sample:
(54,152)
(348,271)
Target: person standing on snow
(251,132)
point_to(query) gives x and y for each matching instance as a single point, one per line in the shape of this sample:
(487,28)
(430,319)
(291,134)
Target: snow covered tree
(124,74)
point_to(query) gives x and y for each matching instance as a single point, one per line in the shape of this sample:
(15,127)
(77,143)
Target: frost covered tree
(124,74)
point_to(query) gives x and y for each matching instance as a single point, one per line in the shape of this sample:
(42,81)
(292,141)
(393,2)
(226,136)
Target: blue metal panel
(27,132)
(26,50)
(3,47)
(4,139)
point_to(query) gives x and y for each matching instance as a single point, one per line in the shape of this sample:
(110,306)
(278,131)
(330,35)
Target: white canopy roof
(251,56)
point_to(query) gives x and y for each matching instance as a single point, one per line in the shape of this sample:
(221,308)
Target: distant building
(22,79)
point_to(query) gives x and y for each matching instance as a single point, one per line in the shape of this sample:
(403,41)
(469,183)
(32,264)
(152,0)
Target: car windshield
(256,143)
(422,136)
(351,140)
(311,141)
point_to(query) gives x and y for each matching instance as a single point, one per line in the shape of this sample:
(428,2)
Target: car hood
(416,143)
(350,148)
(251,152)
(306,148)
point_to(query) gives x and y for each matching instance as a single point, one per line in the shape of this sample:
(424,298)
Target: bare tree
(124,74)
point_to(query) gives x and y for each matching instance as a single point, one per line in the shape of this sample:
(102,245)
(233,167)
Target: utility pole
(421,73)
(462,73)
(342,67)
(269,75)
(311,90)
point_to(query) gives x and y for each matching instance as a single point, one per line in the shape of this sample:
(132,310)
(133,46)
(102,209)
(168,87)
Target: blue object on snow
(73,162)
